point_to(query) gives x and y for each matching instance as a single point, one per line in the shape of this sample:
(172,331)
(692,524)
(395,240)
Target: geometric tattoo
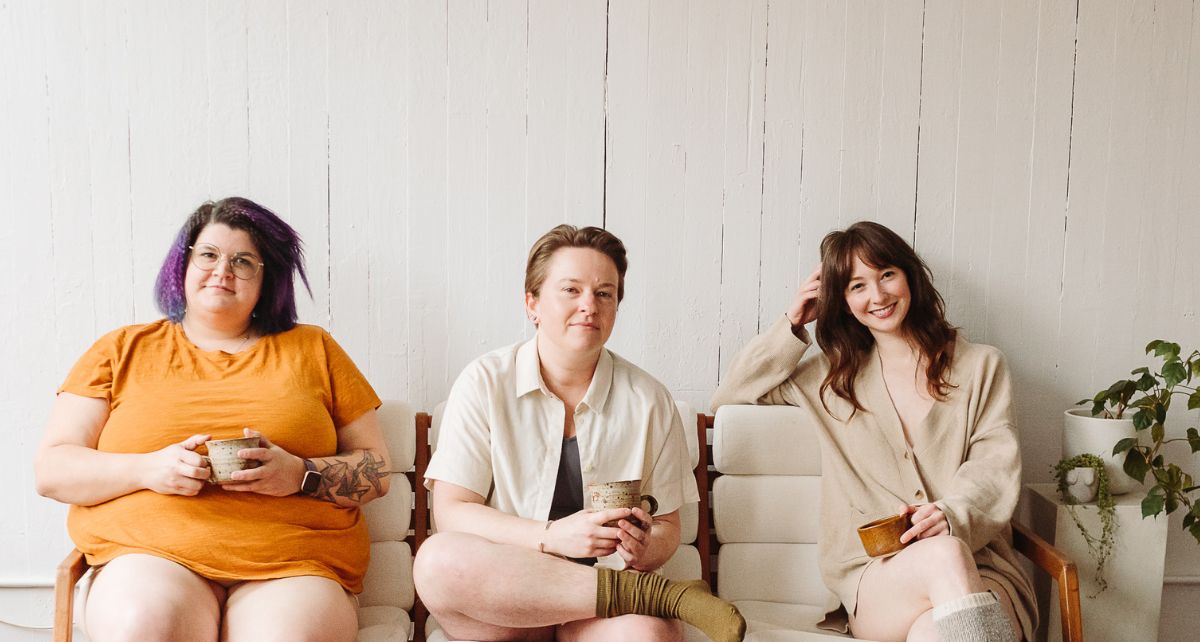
(341,479)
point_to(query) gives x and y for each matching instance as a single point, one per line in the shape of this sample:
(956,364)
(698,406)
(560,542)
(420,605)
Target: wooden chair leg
(69,572)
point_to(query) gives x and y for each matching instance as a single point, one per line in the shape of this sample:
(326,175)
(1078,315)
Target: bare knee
(137,620)
(625,627)
(949,565)
(442,564)
(641,627)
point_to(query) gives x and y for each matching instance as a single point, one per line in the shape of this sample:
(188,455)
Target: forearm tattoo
(352,481)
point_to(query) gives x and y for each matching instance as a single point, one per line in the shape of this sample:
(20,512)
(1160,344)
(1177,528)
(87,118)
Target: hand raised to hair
(278,474)
(177,469)
(584,534)
(804,303)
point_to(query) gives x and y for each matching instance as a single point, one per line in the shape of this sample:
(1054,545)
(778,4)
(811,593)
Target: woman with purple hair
(277,552)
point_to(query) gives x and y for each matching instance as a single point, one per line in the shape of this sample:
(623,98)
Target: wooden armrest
(69,572)
(1062,569)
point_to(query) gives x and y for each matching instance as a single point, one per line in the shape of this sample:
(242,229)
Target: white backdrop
(1043,156)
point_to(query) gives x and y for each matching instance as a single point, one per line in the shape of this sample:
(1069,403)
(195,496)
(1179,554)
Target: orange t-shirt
(296,388)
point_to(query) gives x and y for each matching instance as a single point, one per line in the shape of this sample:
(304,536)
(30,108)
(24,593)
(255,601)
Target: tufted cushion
(767,508)
(397,419)
(388,590)
(764,440)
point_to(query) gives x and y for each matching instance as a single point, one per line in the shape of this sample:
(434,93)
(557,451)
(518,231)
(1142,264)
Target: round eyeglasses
(244,265)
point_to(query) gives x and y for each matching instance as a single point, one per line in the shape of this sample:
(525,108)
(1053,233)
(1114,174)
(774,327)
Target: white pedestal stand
(1128,610)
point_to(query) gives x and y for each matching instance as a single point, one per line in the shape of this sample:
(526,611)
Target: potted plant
(1067,476)
(1148,397)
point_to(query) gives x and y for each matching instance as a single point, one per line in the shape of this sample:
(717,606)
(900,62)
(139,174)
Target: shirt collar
(529,375)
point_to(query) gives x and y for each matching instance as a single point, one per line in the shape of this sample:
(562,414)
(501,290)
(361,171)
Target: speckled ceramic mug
(223,459)
(621,494)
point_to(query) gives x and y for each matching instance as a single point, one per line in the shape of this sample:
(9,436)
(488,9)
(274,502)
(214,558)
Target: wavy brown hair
(847,342)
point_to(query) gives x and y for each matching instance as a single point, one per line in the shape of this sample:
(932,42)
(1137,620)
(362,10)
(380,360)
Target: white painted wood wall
(1043,156)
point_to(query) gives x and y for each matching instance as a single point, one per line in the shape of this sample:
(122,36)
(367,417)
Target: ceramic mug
(882,536)
(621,494)
(222,458)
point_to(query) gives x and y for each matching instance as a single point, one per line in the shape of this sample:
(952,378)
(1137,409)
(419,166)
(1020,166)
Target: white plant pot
(1083,433)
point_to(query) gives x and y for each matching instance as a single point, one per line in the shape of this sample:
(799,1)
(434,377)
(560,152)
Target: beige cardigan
(967,461)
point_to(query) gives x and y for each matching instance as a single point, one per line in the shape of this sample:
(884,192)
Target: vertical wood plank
(307,118)
(227,63)
(26,240)
(1036,247)
(741,219)
(937,153)
(427,202)
(107,79)
(650,190)
(899,82)
(566,114)
(861,129)
(507,184)
(350,132)
(467,184)
(779,242)
(387,221)
(71,263)
(168,135)
(824,32)
(267,107)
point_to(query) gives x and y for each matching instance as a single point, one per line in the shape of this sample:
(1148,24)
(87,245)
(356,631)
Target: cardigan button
(919,494)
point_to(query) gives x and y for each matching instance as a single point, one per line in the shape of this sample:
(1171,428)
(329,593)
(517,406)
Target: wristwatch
(311,482)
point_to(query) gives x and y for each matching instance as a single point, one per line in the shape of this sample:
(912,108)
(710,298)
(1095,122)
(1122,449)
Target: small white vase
(1084,434)
(1082,484)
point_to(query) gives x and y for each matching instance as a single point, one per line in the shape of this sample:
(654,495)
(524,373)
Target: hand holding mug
(585,533)
(635,540)
(177,469)
(927,520)
(278,472)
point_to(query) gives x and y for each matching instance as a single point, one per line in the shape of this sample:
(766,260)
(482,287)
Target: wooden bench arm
(1062,569)
(68,574)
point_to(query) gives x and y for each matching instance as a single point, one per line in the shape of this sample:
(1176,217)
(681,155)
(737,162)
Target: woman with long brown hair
(911,418)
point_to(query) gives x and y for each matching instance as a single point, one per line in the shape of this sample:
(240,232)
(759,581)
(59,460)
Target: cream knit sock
(977,617)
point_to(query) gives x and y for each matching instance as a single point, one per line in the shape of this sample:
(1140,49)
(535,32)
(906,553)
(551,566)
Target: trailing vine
(1100,547)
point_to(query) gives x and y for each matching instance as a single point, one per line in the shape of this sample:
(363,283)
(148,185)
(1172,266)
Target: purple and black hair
(282,256)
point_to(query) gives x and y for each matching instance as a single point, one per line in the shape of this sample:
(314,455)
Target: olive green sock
(631,592)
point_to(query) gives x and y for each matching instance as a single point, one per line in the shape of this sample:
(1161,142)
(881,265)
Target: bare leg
(481,590)
(895,593)
(142,597)
(304,609)
(923,629)
(625,627)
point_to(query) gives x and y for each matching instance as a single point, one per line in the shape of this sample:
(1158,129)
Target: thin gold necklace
(245,338)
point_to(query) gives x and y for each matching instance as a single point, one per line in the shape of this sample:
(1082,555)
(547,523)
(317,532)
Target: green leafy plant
(1149,395)
(1100,547)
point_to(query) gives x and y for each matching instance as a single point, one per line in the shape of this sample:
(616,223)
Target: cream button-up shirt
(501,433)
